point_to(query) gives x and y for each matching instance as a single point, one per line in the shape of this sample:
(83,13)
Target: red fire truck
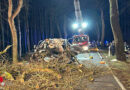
(82,41)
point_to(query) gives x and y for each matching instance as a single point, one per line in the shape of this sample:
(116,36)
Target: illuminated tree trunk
(11,17)
(118,39)
(103,27)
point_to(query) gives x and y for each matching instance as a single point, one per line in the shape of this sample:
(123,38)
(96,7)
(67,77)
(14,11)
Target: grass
(120,69)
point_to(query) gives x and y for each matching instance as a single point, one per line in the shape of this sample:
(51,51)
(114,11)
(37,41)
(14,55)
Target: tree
(20,44)
(98,32)
(118,39)
(64,28)
(2,28)
(124,8)
(58,27)
(101,5)
(27,24)
(51,26)
(103,27)
(11,17)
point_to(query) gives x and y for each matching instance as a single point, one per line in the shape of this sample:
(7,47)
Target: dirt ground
(120,69)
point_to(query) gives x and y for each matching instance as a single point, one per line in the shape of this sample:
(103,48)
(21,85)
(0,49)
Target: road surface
(106,82)
(86,57)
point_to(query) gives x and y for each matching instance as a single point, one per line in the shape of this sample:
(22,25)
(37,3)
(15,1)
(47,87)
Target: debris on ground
(114,60)
(91,57)
(51,49)
(53,65)
(102,62)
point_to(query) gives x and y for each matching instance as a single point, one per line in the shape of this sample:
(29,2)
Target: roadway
(106,82)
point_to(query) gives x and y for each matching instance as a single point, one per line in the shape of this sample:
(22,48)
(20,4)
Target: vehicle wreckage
(55,48)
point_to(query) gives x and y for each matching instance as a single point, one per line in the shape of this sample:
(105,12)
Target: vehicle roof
(80,35)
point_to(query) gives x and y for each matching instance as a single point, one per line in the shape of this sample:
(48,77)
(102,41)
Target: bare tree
(46,24)
(20,45)
(64,28)
(2,28)
(41,25)
(98,32)
(118,39)
(11,17)
(27,24)
(103,27)
(51,25)
(58,27)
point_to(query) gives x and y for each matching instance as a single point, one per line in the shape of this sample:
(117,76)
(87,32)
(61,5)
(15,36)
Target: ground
(103,82)
(120,69)
(90,74)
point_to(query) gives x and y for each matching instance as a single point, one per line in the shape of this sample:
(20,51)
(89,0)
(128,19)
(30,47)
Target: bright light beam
(84,25)
(75,26)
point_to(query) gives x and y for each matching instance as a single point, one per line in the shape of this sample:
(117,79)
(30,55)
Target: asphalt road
(87,57)
(106,82)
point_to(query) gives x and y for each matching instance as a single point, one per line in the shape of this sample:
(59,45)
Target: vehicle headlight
(85,48)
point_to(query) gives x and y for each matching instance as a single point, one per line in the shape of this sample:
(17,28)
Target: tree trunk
(58,27)
(27,27)
(2,28)
(28,39)
(118,39)
(14,38)
(51,26)
(103,27)
(41,24)
(11,18)
(98,32)
(64,28)
(19,29)
(46,24)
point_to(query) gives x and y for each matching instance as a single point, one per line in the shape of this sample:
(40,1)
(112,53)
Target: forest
(36,51)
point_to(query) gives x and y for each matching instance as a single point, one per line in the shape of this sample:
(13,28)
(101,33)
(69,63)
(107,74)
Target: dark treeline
(40,19)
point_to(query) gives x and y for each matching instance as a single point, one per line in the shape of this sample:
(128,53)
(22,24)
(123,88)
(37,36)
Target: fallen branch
(4,51)
(40,70)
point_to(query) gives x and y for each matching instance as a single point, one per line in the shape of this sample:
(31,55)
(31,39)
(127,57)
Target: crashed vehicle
(51,45)
(52,49)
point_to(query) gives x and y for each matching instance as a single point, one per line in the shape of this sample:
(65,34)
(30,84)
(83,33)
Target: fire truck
(81,41)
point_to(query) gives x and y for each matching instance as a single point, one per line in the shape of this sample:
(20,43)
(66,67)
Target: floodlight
(84,25)
(75,26)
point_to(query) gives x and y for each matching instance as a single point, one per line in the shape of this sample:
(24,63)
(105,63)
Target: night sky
(41,12)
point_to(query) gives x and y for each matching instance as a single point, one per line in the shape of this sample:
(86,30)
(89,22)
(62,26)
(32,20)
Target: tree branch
(18,9)
(10,9)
